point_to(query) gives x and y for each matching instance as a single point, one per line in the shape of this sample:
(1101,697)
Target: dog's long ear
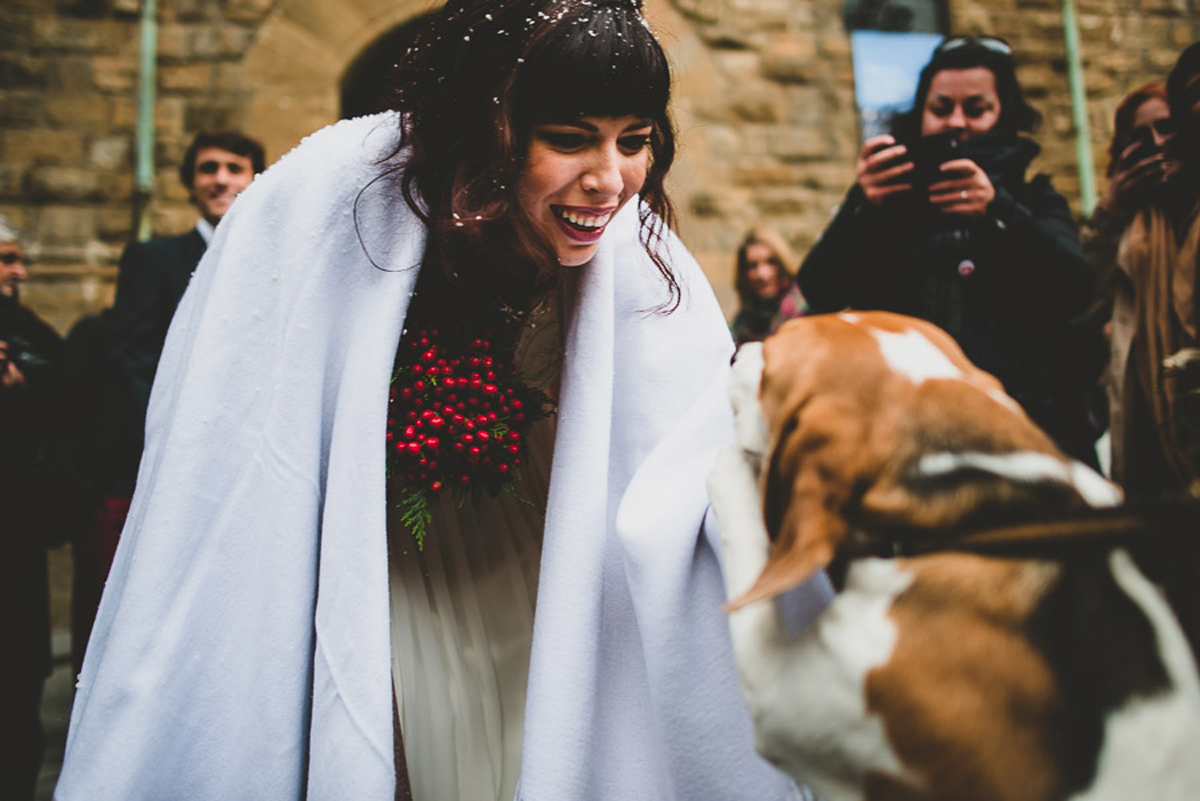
(803,500)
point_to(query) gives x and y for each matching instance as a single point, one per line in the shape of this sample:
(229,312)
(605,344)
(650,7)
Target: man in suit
(116,354)
(153,274)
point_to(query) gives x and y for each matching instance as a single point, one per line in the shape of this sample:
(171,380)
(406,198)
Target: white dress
(462,613)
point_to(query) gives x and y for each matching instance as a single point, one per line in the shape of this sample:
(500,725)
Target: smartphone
(929,153)
(895,162)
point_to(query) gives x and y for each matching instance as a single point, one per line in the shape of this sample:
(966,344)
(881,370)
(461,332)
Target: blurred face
(12,268)
(1152,123)
(577,175)
(963,101)
(762,272)
(218,178)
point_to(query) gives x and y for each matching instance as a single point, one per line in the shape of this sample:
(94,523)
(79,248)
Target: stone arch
(295,66)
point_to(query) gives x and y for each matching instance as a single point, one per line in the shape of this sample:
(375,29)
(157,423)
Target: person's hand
(964,188)
(10,376)
(1136,178)
(875,171)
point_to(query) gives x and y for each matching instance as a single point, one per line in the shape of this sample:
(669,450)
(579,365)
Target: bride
(272,628)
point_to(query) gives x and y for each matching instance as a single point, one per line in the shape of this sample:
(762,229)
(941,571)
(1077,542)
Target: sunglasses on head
(10,258)
(993,44)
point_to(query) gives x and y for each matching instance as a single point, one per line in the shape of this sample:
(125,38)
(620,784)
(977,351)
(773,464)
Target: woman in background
(766,288)
(942,224)
(1138,170)
(1143,240)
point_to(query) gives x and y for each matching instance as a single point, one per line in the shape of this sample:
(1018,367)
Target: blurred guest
(943,225)
(765,282)
(28,350)
(153,275)
(1138,171)
(1144,239)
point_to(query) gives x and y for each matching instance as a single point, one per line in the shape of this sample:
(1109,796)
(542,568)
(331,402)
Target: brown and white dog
(951,675)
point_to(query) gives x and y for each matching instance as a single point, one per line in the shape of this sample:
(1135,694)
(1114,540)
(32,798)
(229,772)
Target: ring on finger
(963,194)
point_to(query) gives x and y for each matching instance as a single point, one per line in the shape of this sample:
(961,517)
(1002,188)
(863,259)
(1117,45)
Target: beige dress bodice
(462,613)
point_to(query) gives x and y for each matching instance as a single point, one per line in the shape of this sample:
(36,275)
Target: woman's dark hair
(967,52)
(471,88)
(1125,114)
(781,256)
(1183,98)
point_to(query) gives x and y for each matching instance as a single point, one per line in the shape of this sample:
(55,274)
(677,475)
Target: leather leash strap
(1048,536)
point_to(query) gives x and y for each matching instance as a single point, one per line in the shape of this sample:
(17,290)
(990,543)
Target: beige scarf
(1163,269)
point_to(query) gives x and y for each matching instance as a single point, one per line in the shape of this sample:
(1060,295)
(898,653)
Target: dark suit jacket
(152,278)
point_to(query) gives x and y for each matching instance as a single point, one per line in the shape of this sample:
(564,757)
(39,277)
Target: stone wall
(765,107)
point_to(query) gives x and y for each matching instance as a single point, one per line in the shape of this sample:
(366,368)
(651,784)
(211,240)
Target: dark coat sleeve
(845,268)
(150,282)
(1033,234)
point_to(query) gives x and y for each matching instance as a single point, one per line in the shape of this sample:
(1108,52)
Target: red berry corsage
(458,417)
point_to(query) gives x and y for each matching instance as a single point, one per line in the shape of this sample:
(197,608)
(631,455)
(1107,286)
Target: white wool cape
(242,649)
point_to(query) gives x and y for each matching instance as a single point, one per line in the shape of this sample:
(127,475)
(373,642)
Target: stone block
(39,146)
(90,36)
(21,71)
(235,40)
(790,57)
(799,144)
(198,42)
(170,114)
(249,10)
(700,10)
(834,175)
(111,152)
(741,67)
(807,106)
(115,73)
(114,224)
(223,112)
(782,201)
(195,10)
(834,44)
(758,104)
(229,81)
(88,111)
(65,227)
(704,204)
(760,14)
(64,184)
(16,28)
(19,109)
(1161,61)
(122,112)
(12,181)
(1163,6)
(763,174)
(185,77)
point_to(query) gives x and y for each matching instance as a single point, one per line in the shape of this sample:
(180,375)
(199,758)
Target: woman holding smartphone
(943,225)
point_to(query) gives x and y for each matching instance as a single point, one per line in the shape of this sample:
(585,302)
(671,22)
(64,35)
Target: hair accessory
(992,43)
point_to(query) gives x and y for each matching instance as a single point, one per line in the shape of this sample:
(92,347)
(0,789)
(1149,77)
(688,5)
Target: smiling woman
(578,175)
(376,585)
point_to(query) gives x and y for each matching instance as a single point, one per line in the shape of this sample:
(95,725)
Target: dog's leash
(1045,536)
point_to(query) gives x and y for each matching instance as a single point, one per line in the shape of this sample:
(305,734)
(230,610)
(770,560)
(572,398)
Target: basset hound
(957,674)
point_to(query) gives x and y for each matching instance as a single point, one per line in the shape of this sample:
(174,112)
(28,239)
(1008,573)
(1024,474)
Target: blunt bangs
(602,62)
